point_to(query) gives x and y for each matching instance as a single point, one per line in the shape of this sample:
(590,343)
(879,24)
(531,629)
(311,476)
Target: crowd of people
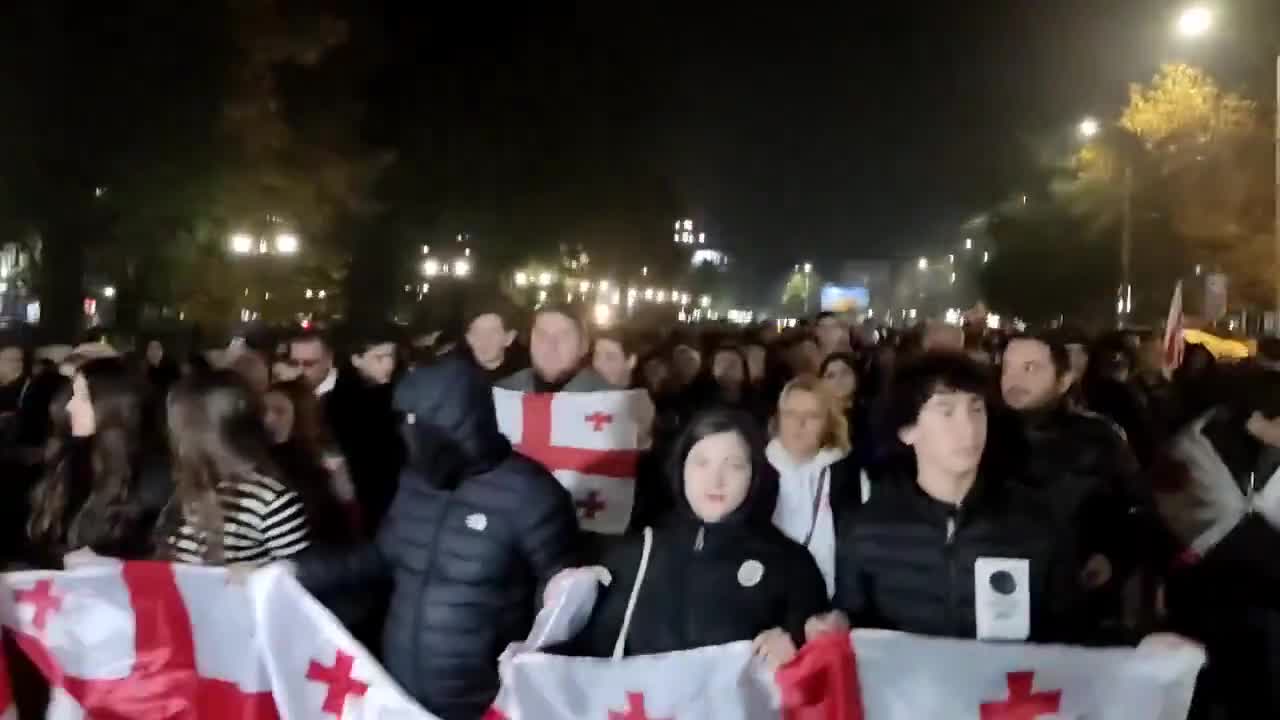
(945,481)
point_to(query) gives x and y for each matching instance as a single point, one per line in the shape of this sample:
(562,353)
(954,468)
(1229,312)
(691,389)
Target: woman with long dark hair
(230,505)
(102,490)
(739,577)
(310,462)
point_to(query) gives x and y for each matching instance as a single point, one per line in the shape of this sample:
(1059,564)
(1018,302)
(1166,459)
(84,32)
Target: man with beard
(1081,462)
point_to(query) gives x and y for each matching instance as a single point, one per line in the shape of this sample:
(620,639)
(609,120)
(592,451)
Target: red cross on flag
(317,669)
(590,441)
(867,675)
(722,682)
(139,639)
(179,642)
(906,677)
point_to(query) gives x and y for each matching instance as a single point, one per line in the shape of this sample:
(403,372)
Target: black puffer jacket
(1084,467)
(707,583)
(905,561)
(473,533)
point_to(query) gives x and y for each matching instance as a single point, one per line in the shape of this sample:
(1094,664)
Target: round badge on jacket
(750,573)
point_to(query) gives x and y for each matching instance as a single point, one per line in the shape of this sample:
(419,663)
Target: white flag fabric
(590,441)
(1199,499)
(317,669)
(908,677)
(724,682)
(154,640)
(1195,494)
(876,675)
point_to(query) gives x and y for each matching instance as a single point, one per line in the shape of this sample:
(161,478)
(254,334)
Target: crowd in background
(797,480)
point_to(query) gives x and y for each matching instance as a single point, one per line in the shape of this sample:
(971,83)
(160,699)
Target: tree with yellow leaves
(1199,180)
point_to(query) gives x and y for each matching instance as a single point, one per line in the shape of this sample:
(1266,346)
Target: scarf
(798,486)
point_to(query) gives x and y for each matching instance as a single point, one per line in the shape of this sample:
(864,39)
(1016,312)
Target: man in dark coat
(1084,466)
(473,534)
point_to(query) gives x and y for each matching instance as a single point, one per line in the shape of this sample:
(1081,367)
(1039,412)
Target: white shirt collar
(330,380)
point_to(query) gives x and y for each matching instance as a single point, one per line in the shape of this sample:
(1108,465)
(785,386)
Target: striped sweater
(262,521)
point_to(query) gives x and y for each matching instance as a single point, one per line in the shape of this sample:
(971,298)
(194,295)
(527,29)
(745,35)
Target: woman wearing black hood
(717,570)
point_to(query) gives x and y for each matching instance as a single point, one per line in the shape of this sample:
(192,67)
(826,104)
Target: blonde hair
(835,433)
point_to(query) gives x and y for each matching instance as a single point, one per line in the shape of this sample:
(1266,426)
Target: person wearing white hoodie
(817,477)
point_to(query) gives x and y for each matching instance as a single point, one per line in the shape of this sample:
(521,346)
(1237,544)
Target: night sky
(791,131)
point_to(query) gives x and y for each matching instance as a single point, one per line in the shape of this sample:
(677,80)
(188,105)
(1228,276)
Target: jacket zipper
(422,586)
(953,519)
(698,543)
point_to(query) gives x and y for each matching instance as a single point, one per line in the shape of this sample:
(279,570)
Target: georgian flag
(590,441)
(872,675)
(180,642)
(908,677)
(867,675)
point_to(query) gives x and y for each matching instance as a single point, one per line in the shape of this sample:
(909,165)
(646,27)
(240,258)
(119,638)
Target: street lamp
(1195,21)
(431,267)
(286,243)
(923,263)
(461,268)
(242,243)
(1088,128)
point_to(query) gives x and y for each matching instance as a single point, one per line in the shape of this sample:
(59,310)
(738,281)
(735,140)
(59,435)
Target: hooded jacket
(906,561)
(807,518)
(706,583)
(474,531)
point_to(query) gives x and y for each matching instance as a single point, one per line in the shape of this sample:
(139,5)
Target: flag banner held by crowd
(154,640)
(147,639)
(725,682)
(873,675)
(908,677)
(1174,344)
(590,441)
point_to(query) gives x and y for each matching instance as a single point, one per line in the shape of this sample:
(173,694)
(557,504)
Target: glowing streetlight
(242,243)
(109,291)
(603,314)
(461,268)
(1089,128)
(431,267)
(1195,21)
(584,286)
(522,279)
(923,263)
(286,243)
(545,279)
(705,301)
(808,267)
